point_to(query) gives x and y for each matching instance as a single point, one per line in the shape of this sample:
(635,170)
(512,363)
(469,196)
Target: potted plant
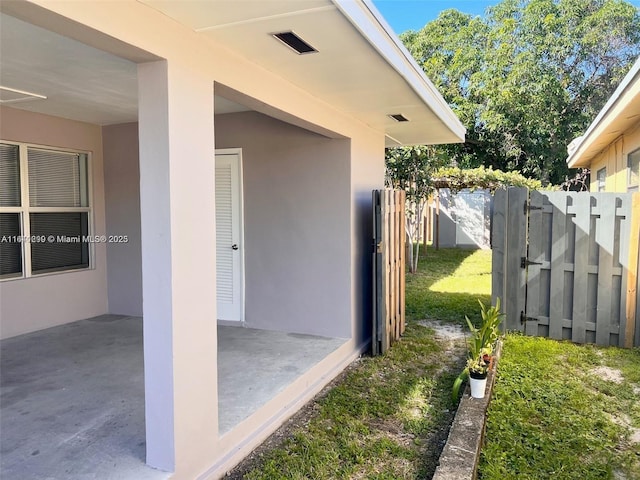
(480,344)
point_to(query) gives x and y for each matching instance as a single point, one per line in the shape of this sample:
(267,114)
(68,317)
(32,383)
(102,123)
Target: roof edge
(632,76)
(374,28)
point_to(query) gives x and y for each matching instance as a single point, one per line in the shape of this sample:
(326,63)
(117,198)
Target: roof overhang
(620,113)
(361,69)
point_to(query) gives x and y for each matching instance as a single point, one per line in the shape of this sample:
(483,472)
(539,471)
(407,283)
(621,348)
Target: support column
(177,203)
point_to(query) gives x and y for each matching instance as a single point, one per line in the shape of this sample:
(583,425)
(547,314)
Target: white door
(229,239)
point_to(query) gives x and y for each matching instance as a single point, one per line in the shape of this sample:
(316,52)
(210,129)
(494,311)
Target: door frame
(238,153)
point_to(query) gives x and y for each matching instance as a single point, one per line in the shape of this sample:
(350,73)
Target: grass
(553,416)
(378,422)
(448,283)
(388,417)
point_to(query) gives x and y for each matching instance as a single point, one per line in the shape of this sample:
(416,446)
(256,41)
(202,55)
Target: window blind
(9,175)
(10,250)
(64,248)
(57,179)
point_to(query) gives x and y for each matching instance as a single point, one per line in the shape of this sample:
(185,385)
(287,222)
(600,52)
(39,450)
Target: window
(601,179)
(633,169)
(44,210)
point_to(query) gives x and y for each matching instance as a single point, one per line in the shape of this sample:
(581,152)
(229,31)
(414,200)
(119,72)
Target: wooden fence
(565,264)
(389,268)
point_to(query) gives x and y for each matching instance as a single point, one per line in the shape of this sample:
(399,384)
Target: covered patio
(72,397)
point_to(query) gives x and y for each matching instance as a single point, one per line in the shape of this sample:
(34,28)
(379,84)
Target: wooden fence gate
(388,268)
(565,264)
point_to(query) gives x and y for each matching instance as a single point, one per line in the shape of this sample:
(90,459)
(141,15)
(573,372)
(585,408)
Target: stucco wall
(297,224)
(31,304)
(614,158)
(176,123)
(122,190)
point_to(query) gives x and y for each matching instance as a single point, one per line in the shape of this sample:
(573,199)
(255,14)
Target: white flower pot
(478,386)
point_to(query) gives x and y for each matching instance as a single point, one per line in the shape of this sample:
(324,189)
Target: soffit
(347,72)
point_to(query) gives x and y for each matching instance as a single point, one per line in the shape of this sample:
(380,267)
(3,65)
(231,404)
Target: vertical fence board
(516,242)
(632,317)
(605,226)
(582,221)
(498,235)
(389,269)
(535,255)
(401,255)
(558,240)
(376,327)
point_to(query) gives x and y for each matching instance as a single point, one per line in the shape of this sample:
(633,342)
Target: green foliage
(480,343)
(412,169)
(553,415)
(457,178)
(528,77)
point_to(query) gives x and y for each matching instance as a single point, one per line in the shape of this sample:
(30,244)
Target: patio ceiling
(79,82)
(360,68)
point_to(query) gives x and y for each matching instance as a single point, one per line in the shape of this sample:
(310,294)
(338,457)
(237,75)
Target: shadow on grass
(448,284)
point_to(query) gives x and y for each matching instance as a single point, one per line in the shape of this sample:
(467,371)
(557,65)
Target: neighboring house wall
(122,190)
(614,159)
(35,303)
(465,219)
(296,192)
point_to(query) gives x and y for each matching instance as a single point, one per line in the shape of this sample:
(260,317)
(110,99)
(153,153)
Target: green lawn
(388,417)
(553,416)
(448,284)
(563,411)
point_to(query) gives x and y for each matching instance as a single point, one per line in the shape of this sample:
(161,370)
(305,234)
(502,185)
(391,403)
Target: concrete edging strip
(459,458)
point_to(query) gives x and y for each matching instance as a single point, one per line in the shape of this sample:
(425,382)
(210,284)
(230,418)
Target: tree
(412,169)
(528,77)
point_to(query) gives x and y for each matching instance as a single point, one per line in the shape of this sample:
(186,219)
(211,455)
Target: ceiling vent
(398,117)
(294,42)
(12,95)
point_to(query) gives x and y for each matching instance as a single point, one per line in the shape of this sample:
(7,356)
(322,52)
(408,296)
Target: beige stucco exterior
(20,312)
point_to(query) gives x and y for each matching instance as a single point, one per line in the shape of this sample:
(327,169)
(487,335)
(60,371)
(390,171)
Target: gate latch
(525,262)
(524,319)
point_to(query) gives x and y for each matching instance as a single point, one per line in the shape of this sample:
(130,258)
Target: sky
(405,15)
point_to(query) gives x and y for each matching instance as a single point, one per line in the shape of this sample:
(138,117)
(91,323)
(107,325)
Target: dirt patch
(609,374)
(444,331)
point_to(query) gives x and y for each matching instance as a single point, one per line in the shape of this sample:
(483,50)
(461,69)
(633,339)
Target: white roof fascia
(373,27)
(588,138)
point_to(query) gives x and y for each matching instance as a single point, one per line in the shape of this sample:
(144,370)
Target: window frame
(25,209)
(601,184)
(634,187)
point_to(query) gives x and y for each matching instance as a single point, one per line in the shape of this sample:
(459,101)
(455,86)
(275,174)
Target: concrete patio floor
(72,397)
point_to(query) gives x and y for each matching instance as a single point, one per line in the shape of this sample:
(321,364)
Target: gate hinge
(524,319)
(528,207)
(525,262)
